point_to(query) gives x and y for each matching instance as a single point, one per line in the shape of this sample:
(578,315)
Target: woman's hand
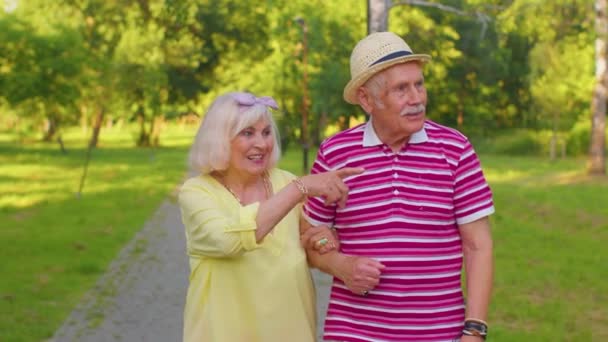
(320,239)
(330,185)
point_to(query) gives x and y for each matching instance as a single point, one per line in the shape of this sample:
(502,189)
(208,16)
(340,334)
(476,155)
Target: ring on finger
(365,293)
(322,242)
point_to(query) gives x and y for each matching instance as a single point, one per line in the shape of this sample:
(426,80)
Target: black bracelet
(475,328)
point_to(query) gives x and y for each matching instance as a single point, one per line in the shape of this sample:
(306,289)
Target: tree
(42,71)
(597,150)
(377,15)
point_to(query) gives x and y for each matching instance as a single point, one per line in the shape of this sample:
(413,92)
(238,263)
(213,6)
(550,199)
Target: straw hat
(374,53)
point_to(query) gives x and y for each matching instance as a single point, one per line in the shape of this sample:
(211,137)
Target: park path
(141,296)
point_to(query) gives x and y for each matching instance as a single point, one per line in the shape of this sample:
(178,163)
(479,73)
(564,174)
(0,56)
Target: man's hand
(360,274)
(467,338)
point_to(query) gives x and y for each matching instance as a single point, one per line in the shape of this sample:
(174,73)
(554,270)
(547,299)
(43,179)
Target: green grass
(550,231)
(56,245)
(550,228)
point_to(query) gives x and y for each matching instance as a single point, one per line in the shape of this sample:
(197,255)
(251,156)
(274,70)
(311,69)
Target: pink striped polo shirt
(403,211)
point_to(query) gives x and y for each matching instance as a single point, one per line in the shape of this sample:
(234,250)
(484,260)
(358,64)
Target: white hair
(375,85)
(222,122)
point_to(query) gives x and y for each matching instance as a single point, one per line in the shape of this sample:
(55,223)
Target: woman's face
(251,149)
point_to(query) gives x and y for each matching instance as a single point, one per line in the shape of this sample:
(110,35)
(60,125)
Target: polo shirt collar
(370,138)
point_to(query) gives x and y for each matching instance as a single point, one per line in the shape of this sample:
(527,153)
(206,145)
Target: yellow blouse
(240,290)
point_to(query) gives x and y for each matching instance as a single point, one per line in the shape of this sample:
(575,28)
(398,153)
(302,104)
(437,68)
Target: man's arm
(479,268)
(359,274)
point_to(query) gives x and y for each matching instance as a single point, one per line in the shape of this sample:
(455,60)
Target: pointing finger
(349,171)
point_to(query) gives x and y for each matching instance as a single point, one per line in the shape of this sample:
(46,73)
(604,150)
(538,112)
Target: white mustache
(412,110)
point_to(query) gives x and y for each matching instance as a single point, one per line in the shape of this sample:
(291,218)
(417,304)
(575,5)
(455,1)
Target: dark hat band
(390,56)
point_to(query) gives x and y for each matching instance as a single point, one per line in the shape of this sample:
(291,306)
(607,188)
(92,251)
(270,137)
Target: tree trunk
(50,130)
(597,149)
(144,136)
(377,15)
(157,125)
(61,144)
(553,141)
(96,128)
(319,132)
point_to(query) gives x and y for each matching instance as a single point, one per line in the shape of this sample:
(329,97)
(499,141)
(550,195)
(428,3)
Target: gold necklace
(267,188)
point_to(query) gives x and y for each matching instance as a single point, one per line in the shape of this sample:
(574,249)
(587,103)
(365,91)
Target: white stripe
(397,311)
(424,171)
(361,337)
(467,154)
(399,219)
(314,222)
(369,188)
(467,174)
(426,154)
(394,326)
(382,240)
(424,258)
(476,216)
(390,183)
(360,157)
(424,204)
(328,218)
(387,203)
(423,187)
(426,276)
(474,206)
(443,141)
(469,191)
(345,144)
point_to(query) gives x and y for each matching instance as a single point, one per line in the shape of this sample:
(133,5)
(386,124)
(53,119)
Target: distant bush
(579,137)
(513,142)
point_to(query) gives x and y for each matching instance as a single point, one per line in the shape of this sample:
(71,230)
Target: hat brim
(350,91)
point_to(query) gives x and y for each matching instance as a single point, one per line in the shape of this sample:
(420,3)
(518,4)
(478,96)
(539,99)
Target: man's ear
(365,99)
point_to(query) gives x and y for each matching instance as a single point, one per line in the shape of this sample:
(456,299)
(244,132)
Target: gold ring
(322,242)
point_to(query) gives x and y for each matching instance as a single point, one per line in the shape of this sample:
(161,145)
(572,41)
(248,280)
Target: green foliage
(527,65)
(579,138)
(43,69)
(513,142)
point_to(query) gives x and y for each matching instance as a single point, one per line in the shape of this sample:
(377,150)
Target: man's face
(399,110)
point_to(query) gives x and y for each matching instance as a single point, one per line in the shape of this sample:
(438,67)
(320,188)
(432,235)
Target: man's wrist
(475,327)
(339,265)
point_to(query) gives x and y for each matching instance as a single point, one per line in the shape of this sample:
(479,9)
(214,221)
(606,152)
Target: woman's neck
(239,181)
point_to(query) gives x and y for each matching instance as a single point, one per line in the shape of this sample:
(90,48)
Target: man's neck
(394,142)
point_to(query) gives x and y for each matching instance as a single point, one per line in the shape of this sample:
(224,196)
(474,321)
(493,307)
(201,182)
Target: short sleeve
(472,194)
(214,230)
(315,211)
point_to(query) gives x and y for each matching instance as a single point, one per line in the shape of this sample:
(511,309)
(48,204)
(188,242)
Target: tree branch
(480,16)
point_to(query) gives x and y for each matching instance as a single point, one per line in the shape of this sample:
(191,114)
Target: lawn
(56,244)
(550,232)
(550,229)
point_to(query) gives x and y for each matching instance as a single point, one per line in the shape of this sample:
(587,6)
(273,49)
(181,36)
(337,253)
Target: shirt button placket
(394,181)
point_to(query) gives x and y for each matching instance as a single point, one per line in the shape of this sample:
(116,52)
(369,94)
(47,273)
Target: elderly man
(420,208)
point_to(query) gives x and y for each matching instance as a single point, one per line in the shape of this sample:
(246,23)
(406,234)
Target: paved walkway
(141,297)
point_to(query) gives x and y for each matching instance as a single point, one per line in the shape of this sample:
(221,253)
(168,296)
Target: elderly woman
(249,279)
